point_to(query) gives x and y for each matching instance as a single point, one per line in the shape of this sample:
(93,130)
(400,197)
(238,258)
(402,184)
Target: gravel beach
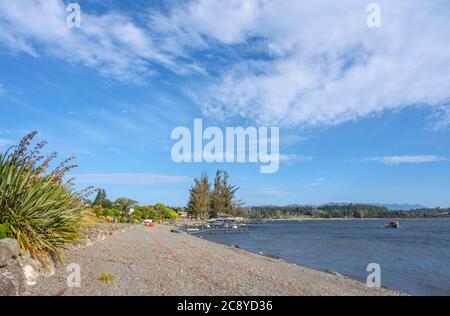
(156,261)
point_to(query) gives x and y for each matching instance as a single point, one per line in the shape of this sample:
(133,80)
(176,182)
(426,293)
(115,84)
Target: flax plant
(38,207)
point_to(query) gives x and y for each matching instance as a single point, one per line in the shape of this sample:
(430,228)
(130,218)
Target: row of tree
(206,203)
(125,210)
(343,211)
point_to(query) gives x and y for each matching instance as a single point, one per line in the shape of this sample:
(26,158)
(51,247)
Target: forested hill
(343,211)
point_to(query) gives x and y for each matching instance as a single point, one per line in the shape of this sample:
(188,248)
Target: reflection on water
(414,258)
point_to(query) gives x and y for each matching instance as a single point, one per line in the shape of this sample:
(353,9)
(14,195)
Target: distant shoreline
(347,219)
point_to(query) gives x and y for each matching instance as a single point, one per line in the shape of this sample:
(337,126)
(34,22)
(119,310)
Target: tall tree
(216,195)
(199,199)
(101,195)
(227,194)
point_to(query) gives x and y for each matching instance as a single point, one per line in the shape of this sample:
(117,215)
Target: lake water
(414,259)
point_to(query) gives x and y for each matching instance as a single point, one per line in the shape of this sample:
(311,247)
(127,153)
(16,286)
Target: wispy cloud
(407,159)
(2,90)
(14,132)
(317,65)
(441,119)
(291,139)
(291,158)
(129,178)
(321,64)
(112,42)
(4,142)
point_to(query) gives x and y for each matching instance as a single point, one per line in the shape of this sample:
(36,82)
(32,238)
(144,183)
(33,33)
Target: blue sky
(363,112)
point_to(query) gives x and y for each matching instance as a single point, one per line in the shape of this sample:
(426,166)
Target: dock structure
(211,230)
(219,225)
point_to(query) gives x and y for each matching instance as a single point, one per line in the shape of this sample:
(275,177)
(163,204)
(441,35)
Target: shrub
(39,210)
(107,277)
(137,215)
(98,210)
(148,212)
(166,212)
(109,213)
(169,214)
(105,203)
(5,232)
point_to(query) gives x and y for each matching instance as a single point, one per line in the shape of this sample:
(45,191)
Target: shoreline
(273,257)
(156,261)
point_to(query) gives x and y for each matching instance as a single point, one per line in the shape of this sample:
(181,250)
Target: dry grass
(90,219)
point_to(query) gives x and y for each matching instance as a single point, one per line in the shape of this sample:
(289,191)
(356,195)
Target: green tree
(199,199)
(228,192)
(216,195)
(101,195)
(148,212)
(106,203)
(123,204)
(178,209)
(137,215)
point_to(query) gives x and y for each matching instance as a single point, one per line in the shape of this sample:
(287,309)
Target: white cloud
(192,25)
(441,119)
(321,64)
(111,43)
(128,178)
(281,62)
(2,90)
(407,159)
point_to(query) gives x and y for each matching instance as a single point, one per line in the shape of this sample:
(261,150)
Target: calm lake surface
(414,259)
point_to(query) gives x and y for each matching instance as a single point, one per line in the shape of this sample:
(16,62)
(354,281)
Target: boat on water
(392,224)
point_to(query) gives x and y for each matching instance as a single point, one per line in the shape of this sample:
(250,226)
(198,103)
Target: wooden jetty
(210,230)
(218,225)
